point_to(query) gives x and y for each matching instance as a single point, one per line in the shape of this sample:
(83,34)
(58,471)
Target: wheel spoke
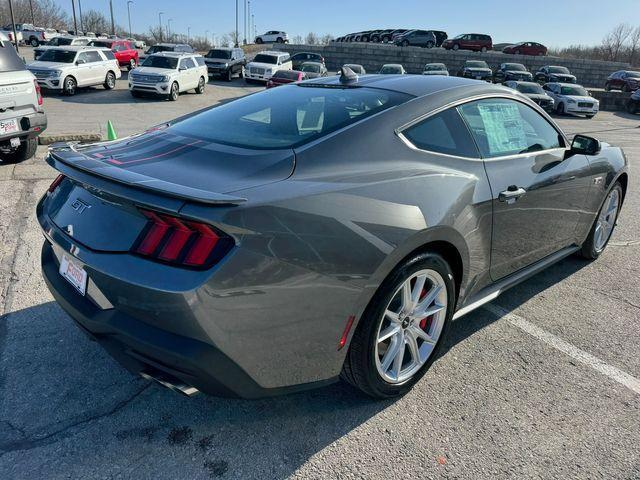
(406,296)
(417,290)
(412,345)
(390,331)
(392,352)
(422,307)
(397,361)
(393,316)
(419,333)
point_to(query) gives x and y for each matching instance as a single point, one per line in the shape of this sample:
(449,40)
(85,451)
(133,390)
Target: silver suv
(22,117)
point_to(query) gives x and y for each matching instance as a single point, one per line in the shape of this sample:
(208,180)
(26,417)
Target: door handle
(511,194)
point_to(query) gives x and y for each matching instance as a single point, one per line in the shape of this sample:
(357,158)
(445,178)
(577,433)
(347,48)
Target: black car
(225,62)
(301,57)
(554,73)
(378,35)
(477,69)
(533,91)
(512,71)
(633,104)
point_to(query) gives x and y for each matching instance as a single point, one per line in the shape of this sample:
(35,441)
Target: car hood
(39,65)
(153,71)
(563,76)
(538,96)
(262,65)
(478,70)
(518,73)
(179,165)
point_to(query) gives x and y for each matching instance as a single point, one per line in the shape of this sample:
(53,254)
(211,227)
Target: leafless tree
(94,21)
(634,47)
(312,39)
(46,13)
(326,39)
(614,42)
(297,40)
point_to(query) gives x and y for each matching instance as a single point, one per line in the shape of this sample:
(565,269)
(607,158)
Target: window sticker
(504,127)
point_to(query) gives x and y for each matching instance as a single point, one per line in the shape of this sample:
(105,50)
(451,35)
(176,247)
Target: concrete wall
(372,56)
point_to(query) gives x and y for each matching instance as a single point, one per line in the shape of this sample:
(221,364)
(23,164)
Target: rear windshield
(310,67)
(262,58)
(98,43)
(219,54)
(287,117)
(558,70)
(60,41)
(530,88)
(159,48)
(578,91)
(161,62)
(61,56)
(430,67)
(517,67)
(9,59)
(477,64)
(288,74)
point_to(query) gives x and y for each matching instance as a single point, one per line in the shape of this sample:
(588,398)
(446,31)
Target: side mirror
(182,69)
(585,145)
(80,62)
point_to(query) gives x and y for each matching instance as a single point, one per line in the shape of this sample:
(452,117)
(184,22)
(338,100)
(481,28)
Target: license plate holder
(74,274)
(9,126)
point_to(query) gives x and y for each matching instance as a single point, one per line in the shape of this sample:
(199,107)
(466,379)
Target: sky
(555,23)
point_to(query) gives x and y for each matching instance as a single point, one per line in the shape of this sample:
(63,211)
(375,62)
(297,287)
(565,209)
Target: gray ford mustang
(324,230)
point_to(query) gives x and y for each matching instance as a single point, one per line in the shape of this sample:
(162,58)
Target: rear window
(310,67)
(288,74)
(159,48)
(61,41)
(10,61)
(287,117)
(263,58)
(530,88)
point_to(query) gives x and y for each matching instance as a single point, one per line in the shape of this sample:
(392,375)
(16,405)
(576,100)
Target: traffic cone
(111,132)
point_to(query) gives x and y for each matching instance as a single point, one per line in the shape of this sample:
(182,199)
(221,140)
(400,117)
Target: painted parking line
(615,374)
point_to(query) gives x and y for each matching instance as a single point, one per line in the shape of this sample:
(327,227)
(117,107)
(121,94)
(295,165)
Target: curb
(79,137)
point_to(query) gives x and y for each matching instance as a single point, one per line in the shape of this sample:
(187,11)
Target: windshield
(263,58)
(218,53)
(308,67)
(390,69)
(577,91)
(61,56)
(61,41)
(515,67)
(633,74)
(459,36)
(159,48)
(157,61)
(558,70)
(530,88)
(286,117)
(477,64)
(431,67)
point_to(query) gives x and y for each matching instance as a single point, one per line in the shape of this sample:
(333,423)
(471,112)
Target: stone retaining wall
(372,56)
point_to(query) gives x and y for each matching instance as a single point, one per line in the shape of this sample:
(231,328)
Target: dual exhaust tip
(170,382)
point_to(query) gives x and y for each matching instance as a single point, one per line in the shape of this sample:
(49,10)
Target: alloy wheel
(607,219)
(70,86)
(411,326)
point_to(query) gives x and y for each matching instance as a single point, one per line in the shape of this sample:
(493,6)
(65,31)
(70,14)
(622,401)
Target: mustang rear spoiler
(83,169)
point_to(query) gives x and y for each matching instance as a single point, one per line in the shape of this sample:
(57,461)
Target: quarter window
(445,133)
(506,127)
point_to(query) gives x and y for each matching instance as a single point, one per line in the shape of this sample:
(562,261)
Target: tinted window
(92,56)
(109,54)
(159,48)
(286,117)
(219,53)
(62,56)
(633,74)
(558,70)
(476,64)
(160,62)
(61,41)
(578,91)
(443,133)
(514,67)
(529,88)
(288,74)
(264,58)
(506,127)
(310,67)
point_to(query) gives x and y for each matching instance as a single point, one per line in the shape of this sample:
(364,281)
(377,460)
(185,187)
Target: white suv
(61,41)
(168,74)
(68,68)
(265,64)
(273,36)
(572,98)
(22,117)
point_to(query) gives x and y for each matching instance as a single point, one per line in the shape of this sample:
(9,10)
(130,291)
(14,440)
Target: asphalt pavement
(540,384)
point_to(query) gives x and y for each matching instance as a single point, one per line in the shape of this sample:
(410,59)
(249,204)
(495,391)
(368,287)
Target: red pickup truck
(124,50)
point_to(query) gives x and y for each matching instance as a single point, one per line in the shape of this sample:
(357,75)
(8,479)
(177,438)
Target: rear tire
(259,41)
(34,42)
(110,81)
(201,86)
(229,76)
(483,49)
(279,40)
(560,109)
(405,43)
(632,107)
(456,46)
(429,44)
(625,88)
(25,151)
(607,87)
(362,364)
(594,245)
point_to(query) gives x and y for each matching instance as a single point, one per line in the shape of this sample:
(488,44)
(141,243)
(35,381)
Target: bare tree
(312,39)
(634,47)
(326,39)
(297,40)
(95,21)
(46,13)
(615,40)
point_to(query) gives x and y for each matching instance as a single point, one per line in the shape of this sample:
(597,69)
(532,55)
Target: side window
(93,56)
(505,127)
(108,54)
(183,64)
(82,57)
(191,63)
(286,58)
(200,61)
(444,132)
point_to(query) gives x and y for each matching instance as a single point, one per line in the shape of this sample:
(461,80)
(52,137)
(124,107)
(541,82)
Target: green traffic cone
(111,132)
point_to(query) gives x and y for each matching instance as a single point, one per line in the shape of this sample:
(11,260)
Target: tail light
(56,183)
(181,242)
(38,92)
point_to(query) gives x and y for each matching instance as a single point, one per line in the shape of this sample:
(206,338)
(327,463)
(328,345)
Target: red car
(282,77)
(469,41)
(624,80)
(124,50)
(526,48)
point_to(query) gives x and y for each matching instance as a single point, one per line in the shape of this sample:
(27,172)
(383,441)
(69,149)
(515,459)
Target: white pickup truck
(27,33)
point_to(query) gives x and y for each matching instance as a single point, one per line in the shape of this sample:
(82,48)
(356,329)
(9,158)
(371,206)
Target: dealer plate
(9,126)
(74,274)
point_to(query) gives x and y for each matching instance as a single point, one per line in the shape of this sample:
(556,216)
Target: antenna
(347,75)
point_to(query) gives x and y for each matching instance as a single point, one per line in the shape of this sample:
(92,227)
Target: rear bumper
(30,126)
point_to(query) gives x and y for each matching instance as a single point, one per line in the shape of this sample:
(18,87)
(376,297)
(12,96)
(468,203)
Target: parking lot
(542,383)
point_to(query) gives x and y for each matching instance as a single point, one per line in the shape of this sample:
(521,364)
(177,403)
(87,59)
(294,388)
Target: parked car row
(436,38)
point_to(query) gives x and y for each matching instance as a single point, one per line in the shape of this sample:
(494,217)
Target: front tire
(456,46)
(69,86)
(405,43)
(603,225)
(25,151)
(259,41)
(483,49)
(34,42)
(175,92)
(279,40)
(402,328)
(560,109)
(132,64)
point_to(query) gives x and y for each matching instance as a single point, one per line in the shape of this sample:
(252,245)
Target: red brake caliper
(425,320)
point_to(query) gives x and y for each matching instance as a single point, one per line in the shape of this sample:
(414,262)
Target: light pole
(160,23)
(73,8)
(188,34)
(113,25)
(13,24)
(244,23)
(129,14)
(253,22)
(33,18)
(206,37)
(80,12)
(169,34)
(236,39)
(249,19)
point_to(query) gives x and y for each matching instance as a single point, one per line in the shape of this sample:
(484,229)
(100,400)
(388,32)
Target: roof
(417,85)
(172,54)
(76,48)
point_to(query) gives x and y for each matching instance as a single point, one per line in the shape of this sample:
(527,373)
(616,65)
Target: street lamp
(13,24)
(160,23)
(73,8)
(113,25)
(80,12)
(188,34)
(129,14)
(236,39)
(169,34)
(33,18)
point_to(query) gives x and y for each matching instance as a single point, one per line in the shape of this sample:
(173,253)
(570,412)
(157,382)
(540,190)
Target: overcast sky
(552,22)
